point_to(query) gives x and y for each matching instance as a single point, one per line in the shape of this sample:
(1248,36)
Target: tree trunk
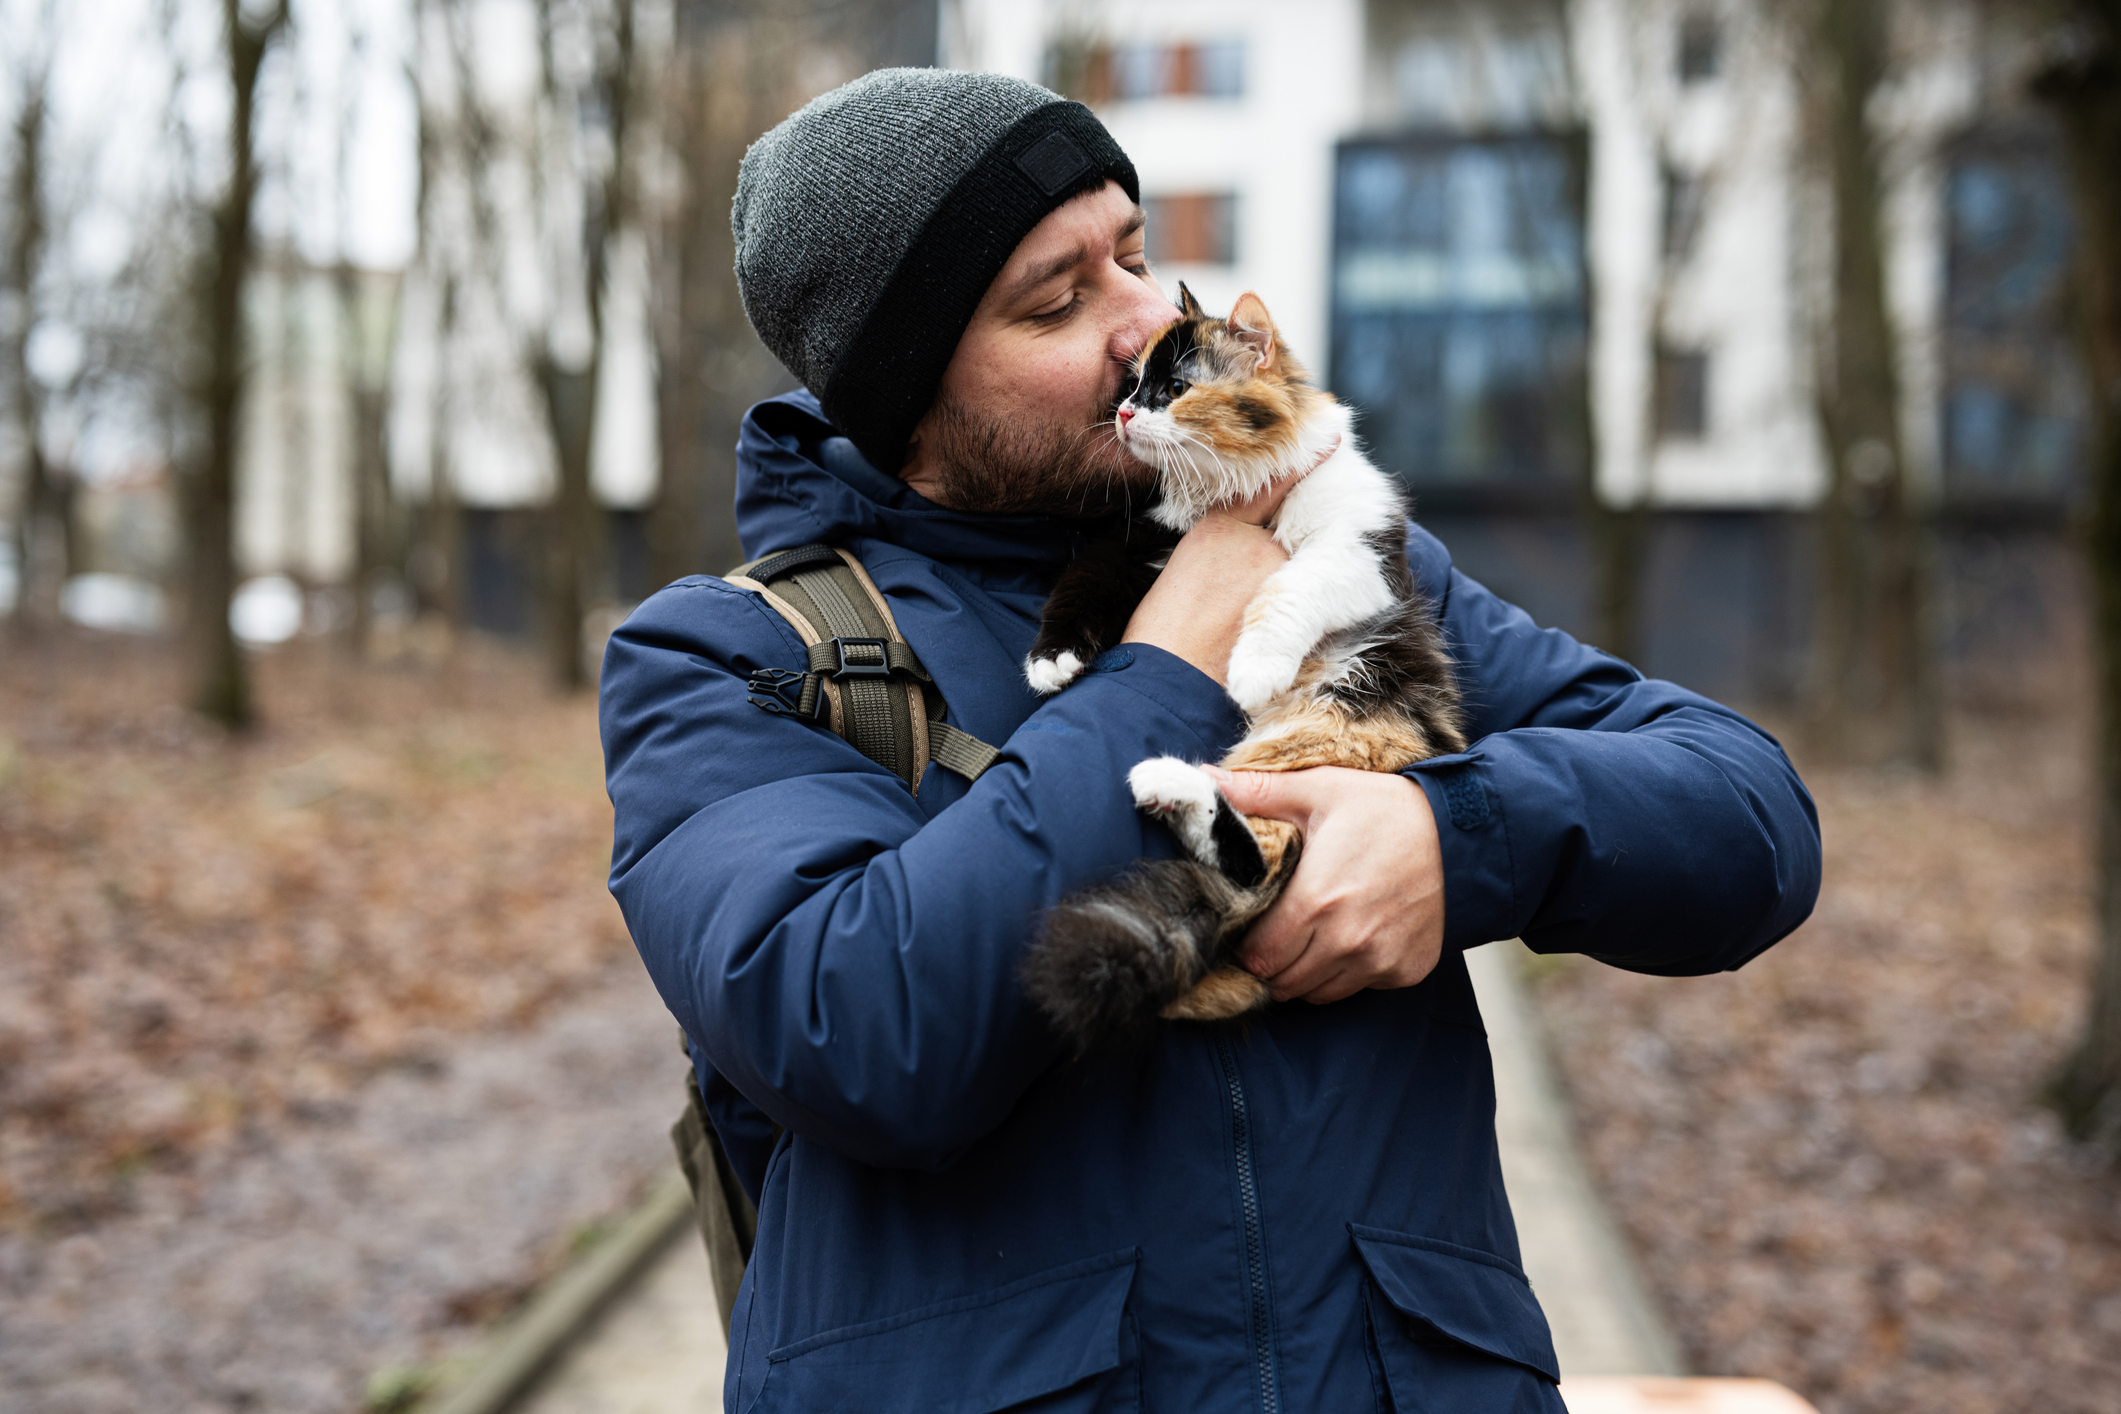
(708,373)
(1874,692)
(682,275)
(43,516)
(2086,92)
(570,538)
(367,390)
(220,683)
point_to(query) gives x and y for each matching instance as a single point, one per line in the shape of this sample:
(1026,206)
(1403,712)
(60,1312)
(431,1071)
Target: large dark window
(2014,405)
(1458,311)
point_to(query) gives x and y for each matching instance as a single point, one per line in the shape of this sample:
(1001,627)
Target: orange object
(1653,1394)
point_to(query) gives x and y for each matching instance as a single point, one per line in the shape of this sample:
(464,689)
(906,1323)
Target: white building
(1687,250)
(1549,244)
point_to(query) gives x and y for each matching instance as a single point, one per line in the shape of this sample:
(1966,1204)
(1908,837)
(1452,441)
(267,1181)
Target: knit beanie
(869,224)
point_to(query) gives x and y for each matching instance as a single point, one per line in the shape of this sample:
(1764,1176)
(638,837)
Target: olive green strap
(851,643)
(871,724)
(958,751)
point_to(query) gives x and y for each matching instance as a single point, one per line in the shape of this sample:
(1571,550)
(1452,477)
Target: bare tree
(43,516)
(731,76)
(2084,87)
(573,542)
(364,365)
(221,687)
(578,152)
(1874,694)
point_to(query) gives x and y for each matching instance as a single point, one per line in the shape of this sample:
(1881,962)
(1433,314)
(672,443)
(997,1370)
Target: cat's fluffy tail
(1157,942)
(1111,958)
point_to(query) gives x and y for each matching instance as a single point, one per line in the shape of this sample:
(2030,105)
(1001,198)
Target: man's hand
(1196,608)
(1365,908)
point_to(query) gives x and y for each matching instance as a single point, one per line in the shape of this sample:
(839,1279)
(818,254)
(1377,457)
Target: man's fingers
(1261,508)
(1276,795)
(1317,965)
(1278,939)
(1337,985)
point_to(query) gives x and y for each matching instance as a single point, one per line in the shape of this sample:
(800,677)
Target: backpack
(862,680)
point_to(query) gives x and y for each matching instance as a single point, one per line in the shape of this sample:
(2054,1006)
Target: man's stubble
(993,466)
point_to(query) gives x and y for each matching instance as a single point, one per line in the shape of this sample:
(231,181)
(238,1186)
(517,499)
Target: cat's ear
(1187,305)
(1251,323)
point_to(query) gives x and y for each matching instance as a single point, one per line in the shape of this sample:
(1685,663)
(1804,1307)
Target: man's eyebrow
(1067,260)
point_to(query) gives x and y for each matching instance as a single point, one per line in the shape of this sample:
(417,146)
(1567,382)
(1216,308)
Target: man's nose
(1145,314)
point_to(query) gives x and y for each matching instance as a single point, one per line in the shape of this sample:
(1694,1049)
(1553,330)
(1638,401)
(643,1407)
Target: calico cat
(1340,663)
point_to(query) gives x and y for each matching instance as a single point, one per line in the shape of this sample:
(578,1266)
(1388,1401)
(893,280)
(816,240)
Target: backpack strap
(863,679)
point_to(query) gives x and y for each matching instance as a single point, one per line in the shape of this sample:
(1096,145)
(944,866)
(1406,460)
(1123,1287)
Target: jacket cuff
(1479,882)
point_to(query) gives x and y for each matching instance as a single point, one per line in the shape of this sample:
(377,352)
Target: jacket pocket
(1058,1342)
(1454,1330)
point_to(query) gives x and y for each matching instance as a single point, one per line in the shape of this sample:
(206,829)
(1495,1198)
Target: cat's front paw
(1181,795)
(1049,675)
(1257,679)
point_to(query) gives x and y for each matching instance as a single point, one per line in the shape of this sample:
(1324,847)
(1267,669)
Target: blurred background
(362,362)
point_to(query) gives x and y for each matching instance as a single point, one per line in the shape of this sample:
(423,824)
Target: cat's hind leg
(1182,796)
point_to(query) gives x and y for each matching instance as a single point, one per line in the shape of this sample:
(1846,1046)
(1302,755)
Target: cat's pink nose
(1126,415)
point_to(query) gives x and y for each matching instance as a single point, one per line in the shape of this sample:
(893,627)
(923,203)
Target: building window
(2016,404)
(1700,47)
(1459,313)
(1128,73)
(1682,394)
(1683,200)
(1192,228)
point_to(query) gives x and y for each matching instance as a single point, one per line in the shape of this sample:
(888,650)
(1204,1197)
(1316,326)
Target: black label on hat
(1053,161)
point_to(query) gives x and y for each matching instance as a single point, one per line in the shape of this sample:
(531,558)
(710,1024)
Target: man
(1303,1214)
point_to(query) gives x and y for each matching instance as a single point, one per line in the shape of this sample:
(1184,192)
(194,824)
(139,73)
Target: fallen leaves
(204,935)
(1834,1163)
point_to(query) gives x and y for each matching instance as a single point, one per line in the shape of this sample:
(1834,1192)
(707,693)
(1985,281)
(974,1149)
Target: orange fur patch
(1319,734)
(1225,993)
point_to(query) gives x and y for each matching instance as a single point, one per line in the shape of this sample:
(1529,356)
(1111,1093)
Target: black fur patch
(1237,851)
(1094,597)
(1257,415)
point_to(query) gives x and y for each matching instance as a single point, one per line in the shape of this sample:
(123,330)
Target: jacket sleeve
(849,964)
(1601,812)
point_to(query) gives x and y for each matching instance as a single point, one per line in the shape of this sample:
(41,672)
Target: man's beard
(995,467)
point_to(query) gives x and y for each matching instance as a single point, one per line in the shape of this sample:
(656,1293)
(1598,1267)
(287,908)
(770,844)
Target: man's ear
(1250,321)
(1187,305)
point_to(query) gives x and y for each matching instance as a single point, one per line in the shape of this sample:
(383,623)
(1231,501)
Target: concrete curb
(526,1346)
(1603,1318)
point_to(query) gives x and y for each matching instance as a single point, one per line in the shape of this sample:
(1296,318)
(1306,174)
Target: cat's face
(1217,407)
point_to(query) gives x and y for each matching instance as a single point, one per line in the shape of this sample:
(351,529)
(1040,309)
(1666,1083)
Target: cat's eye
(1178,387)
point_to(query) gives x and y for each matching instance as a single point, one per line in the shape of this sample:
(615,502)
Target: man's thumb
(1273,794)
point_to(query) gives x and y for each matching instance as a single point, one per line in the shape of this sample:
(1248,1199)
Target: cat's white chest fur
(1329,523)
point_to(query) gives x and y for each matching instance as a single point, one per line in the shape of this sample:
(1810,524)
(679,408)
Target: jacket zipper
(1261,1319)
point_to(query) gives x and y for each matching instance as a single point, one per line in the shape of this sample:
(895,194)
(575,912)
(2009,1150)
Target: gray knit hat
(869,224)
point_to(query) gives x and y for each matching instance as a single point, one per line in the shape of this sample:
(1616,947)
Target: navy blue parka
(1302,1214)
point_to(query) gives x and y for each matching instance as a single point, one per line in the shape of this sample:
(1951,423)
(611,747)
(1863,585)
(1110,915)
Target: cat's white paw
(1181,795)
(1257,679)
(1049,675)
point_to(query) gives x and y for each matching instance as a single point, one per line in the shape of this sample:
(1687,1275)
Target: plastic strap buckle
(869,658)
(781,692)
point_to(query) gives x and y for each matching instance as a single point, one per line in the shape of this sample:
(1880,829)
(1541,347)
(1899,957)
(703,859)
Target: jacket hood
(799,482)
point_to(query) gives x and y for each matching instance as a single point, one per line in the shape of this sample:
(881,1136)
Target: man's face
(1023,419)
